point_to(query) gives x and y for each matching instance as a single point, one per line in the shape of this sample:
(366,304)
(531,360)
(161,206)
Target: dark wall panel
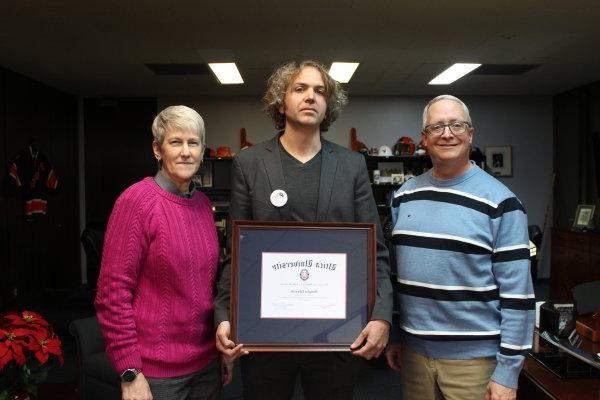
(42,256)
(576,119)
(118,151)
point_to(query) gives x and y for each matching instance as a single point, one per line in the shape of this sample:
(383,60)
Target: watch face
(129,375)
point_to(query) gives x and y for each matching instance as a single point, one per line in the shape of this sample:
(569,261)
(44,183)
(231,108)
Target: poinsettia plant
(28,348)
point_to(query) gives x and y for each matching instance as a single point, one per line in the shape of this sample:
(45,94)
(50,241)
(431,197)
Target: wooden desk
(575,260)
(537,383)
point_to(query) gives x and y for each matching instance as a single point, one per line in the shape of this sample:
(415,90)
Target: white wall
(525,123)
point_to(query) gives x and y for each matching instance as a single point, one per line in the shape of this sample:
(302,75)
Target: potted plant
(28,348)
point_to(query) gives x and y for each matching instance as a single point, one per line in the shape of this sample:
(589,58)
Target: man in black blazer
(300,176)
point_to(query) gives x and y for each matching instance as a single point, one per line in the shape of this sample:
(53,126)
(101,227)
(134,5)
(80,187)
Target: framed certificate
(299,286)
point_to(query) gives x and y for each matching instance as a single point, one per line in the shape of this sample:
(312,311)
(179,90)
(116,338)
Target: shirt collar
(167,185)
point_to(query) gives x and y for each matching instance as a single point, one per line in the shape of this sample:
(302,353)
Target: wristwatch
(129,374)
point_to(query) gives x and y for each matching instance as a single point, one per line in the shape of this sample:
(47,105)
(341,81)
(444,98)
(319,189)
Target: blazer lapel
(272,162)
(328,169)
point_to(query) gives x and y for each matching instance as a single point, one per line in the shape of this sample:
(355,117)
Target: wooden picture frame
(499,160)
(204,175)
(256,315)
(584,216)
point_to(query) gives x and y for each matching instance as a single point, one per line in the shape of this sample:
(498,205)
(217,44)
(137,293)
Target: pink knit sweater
(155,291)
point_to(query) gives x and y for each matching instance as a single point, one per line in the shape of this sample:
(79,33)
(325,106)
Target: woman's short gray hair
(282,78)
(179,118)
(464,107)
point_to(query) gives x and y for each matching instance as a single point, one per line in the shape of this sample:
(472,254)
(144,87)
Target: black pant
(202,385)
(324,376)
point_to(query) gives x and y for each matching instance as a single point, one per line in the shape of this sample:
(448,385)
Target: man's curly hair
(280,81)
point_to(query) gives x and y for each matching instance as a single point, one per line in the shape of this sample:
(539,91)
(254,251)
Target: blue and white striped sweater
(463,270)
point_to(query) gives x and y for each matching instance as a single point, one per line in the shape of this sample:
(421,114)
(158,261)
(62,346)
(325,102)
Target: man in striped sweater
(466,297)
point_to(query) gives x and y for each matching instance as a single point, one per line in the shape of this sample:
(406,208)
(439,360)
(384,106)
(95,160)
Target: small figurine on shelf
(384,151)
(243,142)
(404,147)
(376,176)
(355,144)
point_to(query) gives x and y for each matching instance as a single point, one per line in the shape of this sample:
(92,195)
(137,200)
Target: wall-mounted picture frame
(584,216)
(203,177)
(499,160)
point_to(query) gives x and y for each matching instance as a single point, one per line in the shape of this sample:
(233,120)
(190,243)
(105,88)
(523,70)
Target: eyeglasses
(457,128)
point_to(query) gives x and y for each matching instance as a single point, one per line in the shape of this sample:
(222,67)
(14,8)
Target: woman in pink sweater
(155,291)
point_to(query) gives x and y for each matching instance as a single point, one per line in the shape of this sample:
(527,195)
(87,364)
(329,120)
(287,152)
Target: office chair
(92,241)
(587,297)
(97,378)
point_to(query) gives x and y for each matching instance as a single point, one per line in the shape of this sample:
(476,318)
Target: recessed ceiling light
(342,71)
(226,73)
(453,73)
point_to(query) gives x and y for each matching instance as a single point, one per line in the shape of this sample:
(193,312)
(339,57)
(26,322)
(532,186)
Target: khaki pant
(436,379)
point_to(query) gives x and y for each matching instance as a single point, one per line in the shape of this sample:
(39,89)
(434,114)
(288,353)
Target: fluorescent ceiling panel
(342,71)
(226,73)
(453,73)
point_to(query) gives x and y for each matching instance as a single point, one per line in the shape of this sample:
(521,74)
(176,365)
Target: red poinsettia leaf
(5,358)
(53,346)
(26,318)
(13,343)
(39,335)
(5,355)
(32,345)
(18,354)
(33,315)
(34,318)
(14,318)
(22,332)
(41,355)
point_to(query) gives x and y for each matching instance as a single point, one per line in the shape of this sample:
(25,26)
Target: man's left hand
(496,391)
(374,336)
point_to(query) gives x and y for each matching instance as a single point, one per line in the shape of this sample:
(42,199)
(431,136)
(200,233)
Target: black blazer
(344,196)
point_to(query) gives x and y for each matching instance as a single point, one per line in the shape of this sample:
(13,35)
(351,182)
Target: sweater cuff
(507,376)
(133,360)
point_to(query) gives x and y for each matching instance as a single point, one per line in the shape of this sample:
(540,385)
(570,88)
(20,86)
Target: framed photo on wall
(499,160)
(203,177)
(584,216)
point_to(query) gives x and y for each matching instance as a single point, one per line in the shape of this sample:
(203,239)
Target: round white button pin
(279,198)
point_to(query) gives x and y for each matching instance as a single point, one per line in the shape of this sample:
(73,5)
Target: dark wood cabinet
(217,184)
(217,187)
(575,260)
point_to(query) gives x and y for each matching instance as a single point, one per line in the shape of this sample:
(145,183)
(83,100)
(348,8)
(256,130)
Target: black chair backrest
(587,296)
(92,241)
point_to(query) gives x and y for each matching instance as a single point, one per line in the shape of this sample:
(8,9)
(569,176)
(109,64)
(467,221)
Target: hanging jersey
(32,174)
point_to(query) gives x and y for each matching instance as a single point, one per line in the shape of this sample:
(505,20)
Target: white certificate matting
(303,285)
